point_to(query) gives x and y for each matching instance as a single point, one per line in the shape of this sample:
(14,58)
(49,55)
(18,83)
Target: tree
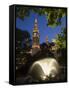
(60,40)
(23,44)
(62,37)
(61,52)
(23,39)
(53,15)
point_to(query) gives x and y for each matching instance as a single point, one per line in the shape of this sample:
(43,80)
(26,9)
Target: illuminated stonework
(36,36)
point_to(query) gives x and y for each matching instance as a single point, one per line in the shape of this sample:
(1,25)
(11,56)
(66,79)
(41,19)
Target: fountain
(44,68)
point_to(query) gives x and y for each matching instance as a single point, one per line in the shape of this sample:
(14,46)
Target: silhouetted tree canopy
(23,39)
(21,35)
(53,15)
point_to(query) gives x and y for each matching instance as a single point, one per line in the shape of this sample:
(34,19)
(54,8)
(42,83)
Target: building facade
(35,36)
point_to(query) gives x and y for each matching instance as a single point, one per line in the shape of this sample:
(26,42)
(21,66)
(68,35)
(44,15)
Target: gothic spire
(35,35)
(35,26)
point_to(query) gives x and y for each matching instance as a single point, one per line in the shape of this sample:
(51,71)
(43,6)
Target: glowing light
(49,66)
(43,77)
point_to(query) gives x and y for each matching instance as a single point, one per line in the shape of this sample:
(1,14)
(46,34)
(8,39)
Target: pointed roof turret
(35,26)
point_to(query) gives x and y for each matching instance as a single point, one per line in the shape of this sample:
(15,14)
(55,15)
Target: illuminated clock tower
(35,36)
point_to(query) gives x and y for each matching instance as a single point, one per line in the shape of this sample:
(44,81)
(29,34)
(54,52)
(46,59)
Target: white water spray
(49,66)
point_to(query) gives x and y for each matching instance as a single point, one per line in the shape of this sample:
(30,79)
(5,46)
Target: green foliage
(53,15)
(22,12)
(61,39)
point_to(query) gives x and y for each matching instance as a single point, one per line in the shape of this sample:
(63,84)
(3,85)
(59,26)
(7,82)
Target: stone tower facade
(35,36)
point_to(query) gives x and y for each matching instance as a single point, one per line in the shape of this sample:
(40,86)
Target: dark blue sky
(44,30)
